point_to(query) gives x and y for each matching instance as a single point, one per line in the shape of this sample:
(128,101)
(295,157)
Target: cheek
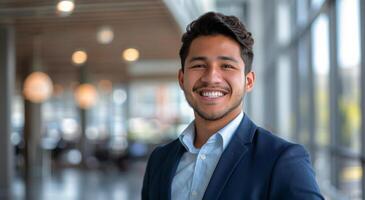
(237,82)
(190,80)
(187,85)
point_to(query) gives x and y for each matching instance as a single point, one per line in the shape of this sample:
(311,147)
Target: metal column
(362,91)
(334,82)
(7,79)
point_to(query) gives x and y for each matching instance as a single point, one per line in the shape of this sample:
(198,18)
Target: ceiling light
(131,54)
(105,35)
(65,7)
(79,57)
(86,95)
(38,87)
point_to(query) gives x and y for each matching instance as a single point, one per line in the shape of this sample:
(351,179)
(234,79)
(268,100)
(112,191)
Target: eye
(227,66)
(197,66)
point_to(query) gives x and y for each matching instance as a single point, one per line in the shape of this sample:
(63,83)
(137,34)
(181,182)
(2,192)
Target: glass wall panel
(349,94)
(320,51)
(320,55)
(302,11)
(285,115)
(283,22)
(317,4)
(155,111)
(349,178)
(349,72)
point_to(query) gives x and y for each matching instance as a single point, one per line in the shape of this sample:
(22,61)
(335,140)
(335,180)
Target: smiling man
(222,154)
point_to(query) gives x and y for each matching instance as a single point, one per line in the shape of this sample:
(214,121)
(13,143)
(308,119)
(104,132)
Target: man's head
(216,58)
(213,23)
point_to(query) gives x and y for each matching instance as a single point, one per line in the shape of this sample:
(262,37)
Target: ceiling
(146,25)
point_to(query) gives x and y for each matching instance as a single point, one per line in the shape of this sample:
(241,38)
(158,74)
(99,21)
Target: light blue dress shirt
(197,165)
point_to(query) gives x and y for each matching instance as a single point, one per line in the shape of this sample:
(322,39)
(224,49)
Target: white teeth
(212,94)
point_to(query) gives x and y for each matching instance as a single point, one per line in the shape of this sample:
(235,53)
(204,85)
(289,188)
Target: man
(222,154)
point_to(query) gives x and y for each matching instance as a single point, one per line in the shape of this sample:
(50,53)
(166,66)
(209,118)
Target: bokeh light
(38,87)
(79,57)
(105,35)
(131,54)
(86,95)
(65,7)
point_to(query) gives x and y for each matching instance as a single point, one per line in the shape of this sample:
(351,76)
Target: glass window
(349,72)
(349,93)
(350,181)
(302,11)
(321,66)
(303,122)
(320,50)
(283,22)
(316,4)
(156,111)
(271,119)
(285,119)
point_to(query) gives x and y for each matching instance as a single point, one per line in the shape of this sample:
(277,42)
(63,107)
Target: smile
(212,94)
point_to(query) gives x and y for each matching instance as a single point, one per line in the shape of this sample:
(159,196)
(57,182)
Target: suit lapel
(168,169)
(230,158)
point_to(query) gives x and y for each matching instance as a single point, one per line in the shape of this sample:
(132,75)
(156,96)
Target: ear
(250,81)
(181,78)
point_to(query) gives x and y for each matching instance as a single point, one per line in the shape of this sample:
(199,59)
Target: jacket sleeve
(293,176)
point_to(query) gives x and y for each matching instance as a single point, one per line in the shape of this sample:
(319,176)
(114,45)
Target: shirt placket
(199,172)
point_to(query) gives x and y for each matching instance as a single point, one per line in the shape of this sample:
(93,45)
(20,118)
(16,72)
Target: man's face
(213,79)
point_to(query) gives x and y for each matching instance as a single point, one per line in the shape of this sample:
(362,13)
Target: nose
(212,75)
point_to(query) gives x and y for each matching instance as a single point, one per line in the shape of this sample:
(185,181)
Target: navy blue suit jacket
(255,165)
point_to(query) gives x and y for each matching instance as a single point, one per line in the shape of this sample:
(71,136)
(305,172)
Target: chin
(211,116)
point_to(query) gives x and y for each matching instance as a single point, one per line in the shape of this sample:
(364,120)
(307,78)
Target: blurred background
(89,88)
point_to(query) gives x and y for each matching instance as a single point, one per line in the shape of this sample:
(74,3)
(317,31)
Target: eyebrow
(203,58)
(197,58)
(227,58)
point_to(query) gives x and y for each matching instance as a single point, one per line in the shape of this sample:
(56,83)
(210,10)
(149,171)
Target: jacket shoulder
(291,172)
(268,141)
(275,149)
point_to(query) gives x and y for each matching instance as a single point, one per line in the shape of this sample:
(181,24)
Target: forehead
(214,45)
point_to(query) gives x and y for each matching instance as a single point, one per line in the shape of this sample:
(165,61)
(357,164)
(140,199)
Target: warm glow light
(131,54)
(86,95)
(105,35)
(65,7)
(38,87)
(352,173)
(79,57)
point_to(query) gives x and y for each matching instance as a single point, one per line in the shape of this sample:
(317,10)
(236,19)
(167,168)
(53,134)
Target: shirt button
(203,156)
(194,193)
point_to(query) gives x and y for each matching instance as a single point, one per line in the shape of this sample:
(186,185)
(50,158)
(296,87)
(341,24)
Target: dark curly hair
(213,23)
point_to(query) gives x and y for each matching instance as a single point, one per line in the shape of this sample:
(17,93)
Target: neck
(206,128)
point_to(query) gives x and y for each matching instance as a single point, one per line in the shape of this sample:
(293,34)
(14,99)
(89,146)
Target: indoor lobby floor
(76,184)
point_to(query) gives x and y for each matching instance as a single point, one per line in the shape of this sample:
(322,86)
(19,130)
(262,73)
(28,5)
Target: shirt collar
(226,133)
(187,138)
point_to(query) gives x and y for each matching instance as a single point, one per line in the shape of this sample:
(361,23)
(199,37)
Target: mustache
(200,86)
